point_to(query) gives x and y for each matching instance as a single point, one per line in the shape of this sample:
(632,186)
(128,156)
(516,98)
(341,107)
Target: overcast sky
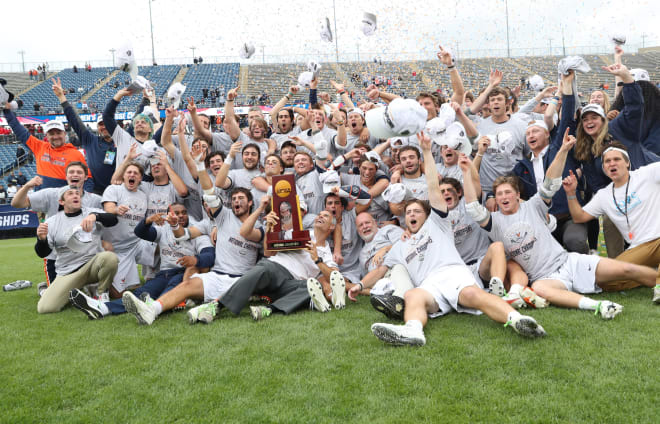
(72,30)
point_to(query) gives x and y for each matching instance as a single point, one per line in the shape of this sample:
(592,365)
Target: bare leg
(610,270)
(192,288)
(556,293)
(496,308)
(494,263)
(419,303)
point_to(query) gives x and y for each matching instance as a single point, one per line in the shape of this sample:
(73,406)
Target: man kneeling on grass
(442,280)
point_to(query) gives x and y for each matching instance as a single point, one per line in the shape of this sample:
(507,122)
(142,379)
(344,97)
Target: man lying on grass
(561,277)
(443,283)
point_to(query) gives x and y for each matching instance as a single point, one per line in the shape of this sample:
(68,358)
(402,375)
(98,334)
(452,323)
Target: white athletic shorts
(215,285)
(475,272)
(578,273)
(445,284)
(127,271)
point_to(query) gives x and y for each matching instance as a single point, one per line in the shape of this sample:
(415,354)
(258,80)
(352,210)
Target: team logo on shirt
(519,240)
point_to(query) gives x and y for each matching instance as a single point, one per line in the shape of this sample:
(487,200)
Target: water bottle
(17,285)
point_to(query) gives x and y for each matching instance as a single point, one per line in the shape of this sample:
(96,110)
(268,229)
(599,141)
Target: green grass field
(312,367)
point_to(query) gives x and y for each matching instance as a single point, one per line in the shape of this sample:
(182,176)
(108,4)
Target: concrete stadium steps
(181,75)
(100,85)
(19,82)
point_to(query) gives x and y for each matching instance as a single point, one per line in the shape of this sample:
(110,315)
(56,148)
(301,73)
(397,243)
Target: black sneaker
(86,304)
(390,305)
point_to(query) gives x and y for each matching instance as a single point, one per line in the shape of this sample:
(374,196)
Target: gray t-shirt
(351,245)
(420,253)
(242,177)
(233,254)
(172,250)
(453,171)
(282,138)
(122,235)
(160,197)
(501,157)
(527,239)
(60,228)
(379,208)
(470,239)
(386,236)
(311,189)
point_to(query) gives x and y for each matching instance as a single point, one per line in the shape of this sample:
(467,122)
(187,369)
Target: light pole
(643,38)
(550,41)
(358,52)
(151,24)
(508,50)
(113,56)
(22,53)
(563,43)
(193,50)
(334,11)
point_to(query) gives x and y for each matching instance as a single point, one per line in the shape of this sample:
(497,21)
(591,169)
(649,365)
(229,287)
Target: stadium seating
(81,82)
(221,76)
(160,77)
(401,78)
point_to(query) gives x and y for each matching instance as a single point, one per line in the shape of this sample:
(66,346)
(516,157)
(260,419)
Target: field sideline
(312,367)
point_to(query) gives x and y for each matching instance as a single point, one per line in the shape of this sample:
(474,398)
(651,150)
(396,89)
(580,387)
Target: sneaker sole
(79,302)
(528,327)
(316,294)
(386,309)
(497,289)
(338,285)
(132,308)
(388,336)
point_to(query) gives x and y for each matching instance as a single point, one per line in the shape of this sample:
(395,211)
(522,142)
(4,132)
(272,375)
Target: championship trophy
(287,206)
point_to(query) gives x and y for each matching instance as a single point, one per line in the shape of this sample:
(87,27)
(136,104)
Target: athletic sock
(512,315)
(158,307)
(415,324)
(588,304)
(516,289)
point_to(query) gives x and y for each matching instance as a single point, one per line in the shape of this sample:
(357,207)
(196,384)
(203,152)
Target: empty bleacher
(220,76)
(81,82)
(160,77)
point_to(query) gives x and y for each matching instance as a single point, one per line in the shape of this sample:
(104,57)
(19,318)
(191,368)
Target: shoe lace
(598,307)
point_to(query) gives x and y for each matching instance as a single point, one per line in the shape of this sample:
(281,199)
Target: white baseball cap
(394,193)
(402,117)
(247,50)
(457,138)
(537,123)
(368,24)
(640,74)
(57,125)
(305,78)
(326,32)
(595,108)
(174,94)
(357,111)
(330,179)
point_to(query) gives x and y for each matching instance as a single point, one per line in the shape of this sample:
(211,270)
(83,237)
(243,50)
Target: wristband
(341,92)
(289,94)
(571,197)
(228,161)
(319,260)
(361,285)
(480,154)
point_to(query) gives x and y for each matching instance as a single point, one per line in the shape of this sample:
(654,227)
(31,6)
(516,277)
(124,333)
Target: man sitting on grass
(443,283)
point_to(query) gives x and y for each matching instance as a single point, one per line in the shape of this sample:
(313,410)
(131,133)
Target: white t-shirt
(123,235)
(643,203)
(429,250)
(300,264)
(233,254)
(527,239)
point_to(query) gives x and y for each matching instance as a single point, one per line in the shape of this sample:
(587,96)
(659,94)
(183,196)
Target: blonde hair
(606,100)
(587,147)
(512,180)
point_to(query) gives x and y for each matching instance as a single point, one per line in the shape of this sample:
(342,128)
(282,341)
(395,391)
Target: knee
(576,243)
(44,308)
(109,259)
(414,296)
(497,248)
(471,295)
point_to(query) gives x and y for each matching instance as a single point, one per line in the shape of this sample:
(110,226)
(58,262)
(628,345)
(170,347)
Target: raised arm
(470,128)
(247,230)
(494,79)
(458,89)
(177,182)
(435,197)
(197,125)
(118,175)
(618,56)
(629,121)
(221,179)
(552,181)
(231,123)
(21,199)
(473,206)
(293,90)
(71,116)
(577,213)
(166,139)
(374,94)
(345,98)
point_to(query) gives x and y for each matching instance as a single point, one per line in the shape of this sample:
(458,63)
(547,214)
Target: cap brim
(377,125)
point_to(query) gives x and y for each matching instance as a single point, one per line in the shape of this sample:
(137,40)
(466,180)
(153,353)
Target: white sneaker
(608,310)
(104,297)
(205,313)
(338,285)
(532,299)
(526,326)
(496,287)
(514,300)
(144,313)
(656,293)
(399,335)
(315,291)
